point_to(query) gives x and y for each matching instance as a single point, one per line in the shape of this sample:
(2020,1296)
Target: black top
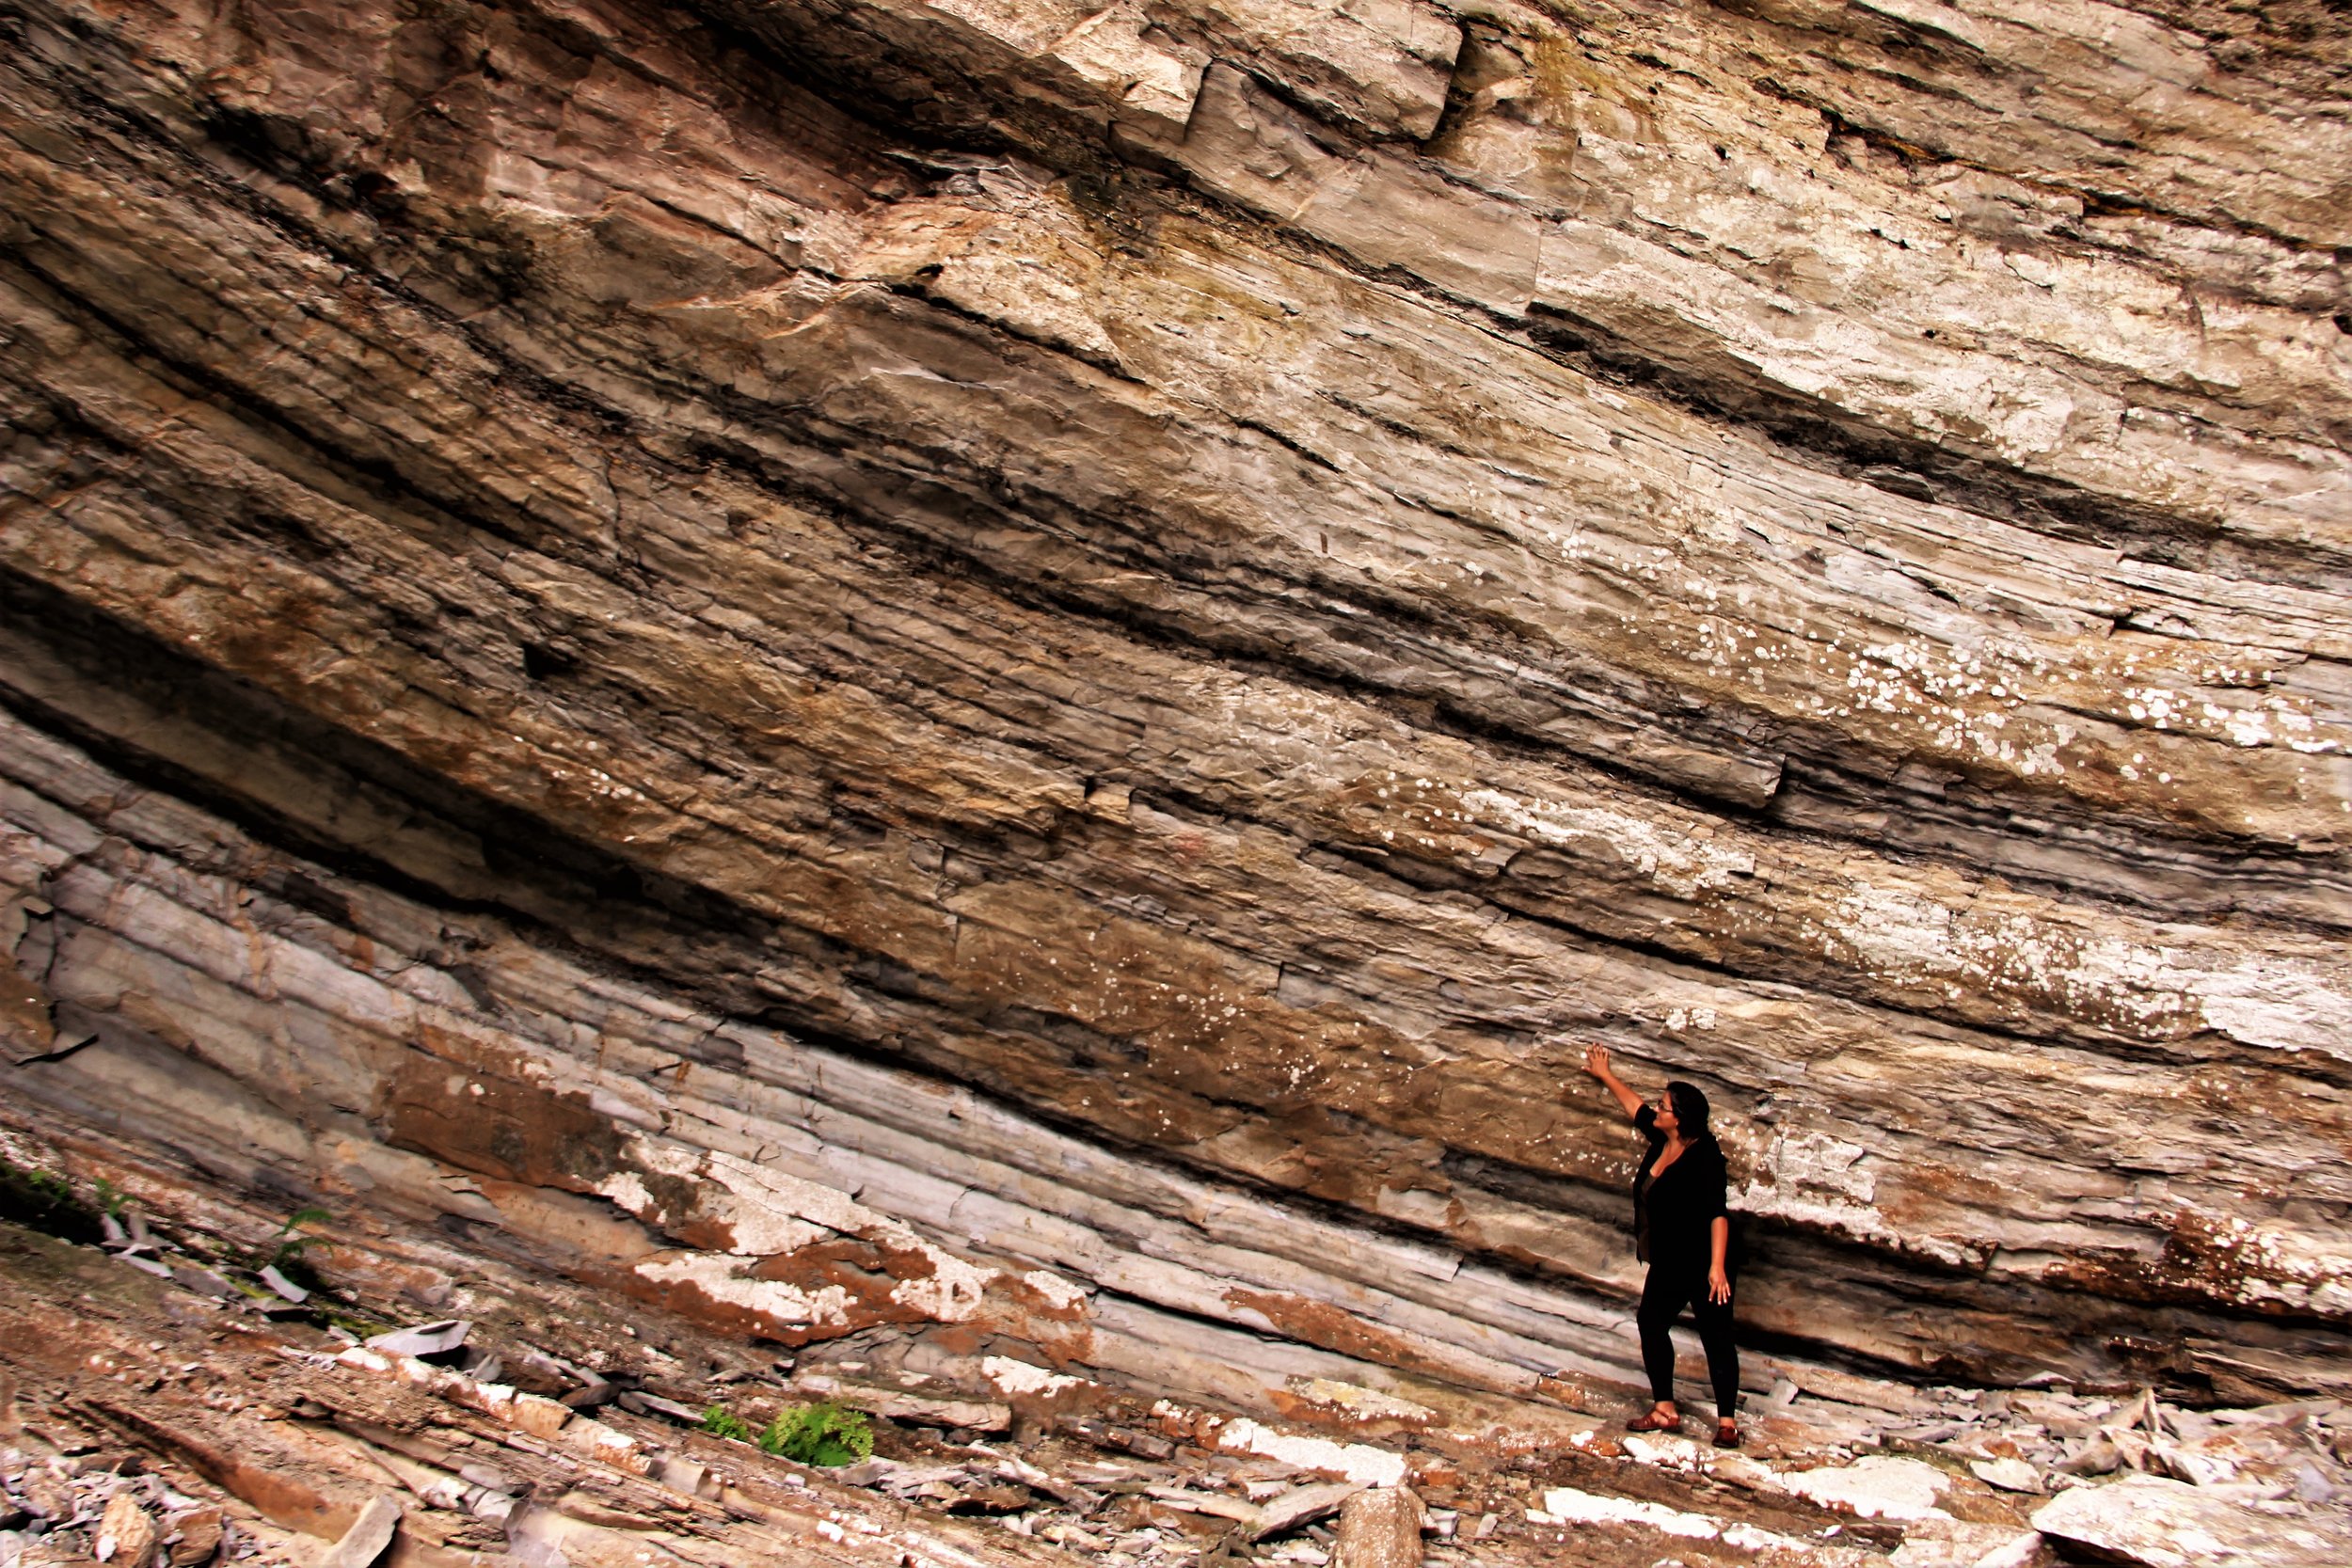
(1674,1212)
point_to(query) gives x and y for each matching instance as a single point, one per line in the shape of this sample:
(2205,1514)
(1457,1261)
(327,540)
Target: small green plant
(820,1434)
(110,1197)
(50,1187)
(291,1245)
(43,1200)
(721,1423)
(364,1324)
(287,1258)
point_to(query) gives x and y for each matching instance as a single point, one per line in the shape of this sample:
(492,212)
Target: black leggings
(1665,1295)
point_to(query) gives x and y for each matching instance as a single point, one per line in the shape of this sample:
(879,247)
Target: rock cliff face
(851,661)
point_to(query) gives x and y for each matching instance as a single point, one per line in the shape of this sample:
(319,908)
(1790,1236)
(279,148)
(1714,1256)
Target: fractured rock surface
(841,664)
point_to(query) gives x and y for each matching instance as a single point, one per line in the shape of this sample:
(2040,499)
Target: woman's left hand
(1719,1287)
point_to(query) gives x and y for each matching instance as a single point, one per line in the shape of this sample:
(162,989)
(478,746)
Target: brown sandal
(1726,1435)
(1654,1422)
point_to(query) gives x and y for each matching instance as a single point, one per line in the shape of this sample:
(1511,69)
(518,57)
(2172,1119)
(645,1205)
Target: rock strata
(856,666)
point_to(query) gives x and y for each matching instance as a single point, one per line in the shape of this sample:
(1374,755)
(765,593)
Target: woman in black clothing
(1682,1230)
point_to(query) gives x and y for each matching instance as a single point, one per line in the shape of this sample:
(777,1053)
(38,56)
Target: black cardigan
(1674,1213)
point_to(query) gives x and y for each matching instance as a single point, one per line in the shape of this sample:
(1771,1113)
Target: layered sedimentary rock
(861,661)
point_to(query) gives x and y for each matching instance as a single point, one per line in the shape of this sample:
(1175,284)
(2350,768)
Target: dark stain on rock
(471,1117)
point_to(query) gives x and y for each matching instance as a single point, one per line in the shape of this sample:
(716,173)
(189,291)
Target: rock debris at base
(154,1423)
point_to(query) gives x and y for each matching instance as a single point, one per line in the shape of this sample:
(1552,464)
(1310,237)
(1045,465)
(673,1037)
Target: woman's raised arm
(1596,1063)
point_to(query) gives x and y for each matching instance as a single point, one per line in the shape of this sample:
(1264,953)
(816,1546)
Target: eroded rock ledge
(1110,636)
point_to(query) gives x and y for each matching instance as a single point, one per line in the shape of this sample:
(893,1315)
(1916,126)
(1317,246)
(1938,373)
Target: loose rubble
(190,1427)
(1472,528)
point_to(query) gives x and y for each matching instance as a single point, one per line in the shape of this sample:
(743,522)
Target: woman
(1682,1230)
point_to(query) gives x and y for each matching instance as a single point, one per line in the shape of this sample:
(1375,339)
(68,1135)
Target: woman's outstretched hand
(1596,1063)
(1718,1286)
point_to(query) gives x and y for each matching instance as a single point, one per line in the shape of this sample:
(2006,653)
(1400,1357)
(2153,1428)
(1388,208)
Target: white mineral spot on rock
(721,1277)
(1019,1377)
(1360,1463)
(1358,1402)
(1063,1293)
(1566,1505)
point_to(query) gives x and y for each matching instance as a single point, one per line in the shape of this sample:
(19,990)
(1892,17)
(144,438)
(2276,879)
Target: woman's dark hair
(1690,1109)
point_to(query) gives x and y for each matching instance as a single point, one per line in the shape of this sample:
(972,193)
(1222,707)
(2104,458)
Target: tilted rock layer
(852,661)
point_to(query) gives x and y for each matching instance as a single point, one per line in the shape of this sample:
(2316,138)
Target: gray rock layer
(1212,590)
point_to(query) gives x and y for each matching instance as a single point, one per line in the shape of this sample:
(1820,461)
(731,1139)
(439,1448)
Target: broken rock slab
(1299,1507)
(2008,1474)
(286,1288)
(1877,1487)
(1951,1543)
(369,1534)
(126,1533)
(199,1532)
(2153,1522)
(422,1341)
(1381,1528)
(642,1403)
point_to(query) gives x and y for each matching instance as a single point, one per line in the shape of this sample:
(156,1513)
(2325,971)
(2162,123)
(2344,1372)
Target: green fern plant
(721,1423)
(823,1433)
